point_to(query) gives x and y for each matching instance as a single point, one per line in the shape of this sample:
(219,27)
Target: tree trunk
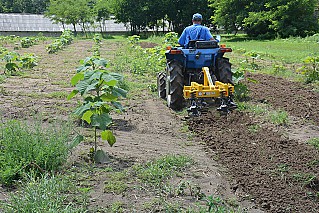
(74,29)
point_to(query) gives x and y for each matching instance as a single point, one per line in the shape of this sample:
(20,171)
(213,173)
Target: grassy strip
(47,194)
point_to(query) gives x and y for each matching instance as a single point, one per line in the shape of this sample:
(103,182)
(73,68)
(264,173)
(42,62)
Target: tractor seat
(199,44)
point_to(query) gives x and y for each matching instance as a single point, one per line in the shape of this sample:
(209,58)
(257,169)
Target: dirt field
(269,164)
(263,170)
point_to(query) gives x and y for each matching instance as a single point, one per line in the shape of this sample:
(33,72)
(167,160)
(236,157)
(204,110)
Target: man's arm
(182,38)
(208,35)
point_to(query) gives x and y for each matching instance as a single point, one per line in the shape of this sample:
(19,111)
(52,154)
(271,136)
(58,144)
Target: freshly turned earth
(279,174)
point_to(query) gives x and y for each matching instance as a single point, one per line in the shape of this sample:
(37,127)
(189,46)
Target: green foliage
(310,68)
(27,42)
(26,6)
(97,44)
(217,205)
(47,194)
(28,61)
(157,172)
(267,18)
(279,117)
(58,44)
(149,60)
(100,92)
(177,12)
(314,142)
(72,12)
(14,62)
(241,89)
(31,148)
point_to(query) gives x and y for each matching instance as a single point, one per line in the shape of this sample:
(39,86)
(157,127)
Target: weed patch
(314,142)
(47,194)
(31,149)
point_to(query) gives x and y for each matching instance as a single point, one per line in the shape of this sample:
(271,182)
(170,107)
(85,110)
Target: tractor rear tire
(161,85)
(224,74)
(174,85)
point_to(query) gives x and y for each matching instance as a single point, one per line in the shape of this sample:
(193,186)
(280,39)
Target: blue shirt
(194,32)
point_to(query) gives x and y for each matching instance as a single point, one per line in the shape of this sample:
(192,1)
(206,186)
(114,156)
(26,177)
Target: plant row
(58,44)
(14,62)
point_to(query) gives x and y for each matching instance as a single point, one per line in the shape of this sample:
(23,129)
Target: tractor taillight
(224,50)
(175,52)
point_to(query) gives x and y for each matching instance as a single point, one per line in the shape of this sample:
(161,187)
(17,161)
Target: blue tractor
(186,78)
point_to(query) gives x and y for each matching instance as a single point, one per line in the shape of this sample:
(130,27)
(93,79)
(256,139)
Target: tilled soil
(292,97)
(279,174)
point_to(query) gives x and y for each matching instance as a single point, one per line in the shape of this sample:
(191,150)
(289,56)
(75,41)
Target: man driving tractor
(195,32)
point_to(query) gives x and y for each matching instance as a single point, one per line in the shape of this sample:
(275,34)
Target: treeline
(258,18)
(267,18)
(23,6)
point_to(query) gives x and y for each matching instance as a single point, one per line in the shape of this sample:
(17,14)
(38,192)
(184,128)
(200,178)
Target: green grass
(156,172)
(287,50)
(278,117)
(254,108)
(314,142)
(254,128)
(31,148)
(58,94)
(47,194)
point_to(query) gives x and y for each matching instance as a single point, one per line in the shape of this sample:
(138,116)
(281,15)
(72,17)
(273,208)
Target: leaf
(108,136)
(87,116)
(91,87)
(119,92)
(100,62)
(118,105)
(96,75)
(108,97)
(88,74)
(76,141)
(109,80)
(76,78)
(117,76)
(82,86)
(101,121)
(72,94)
(80,110)
(101,157)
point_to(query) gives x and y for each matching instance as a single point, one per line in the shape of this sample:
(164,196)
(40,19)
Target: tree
(283,18)
(134,13)
(70,12)
(102,11)
(267,18)
(150,13)
(23,6)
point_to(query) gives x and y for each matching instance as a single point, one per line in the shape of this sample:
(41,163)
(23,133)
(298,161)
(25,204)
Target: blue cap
(197,16)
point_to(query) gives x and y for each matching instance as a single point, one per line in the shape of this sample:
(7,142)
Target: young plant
(311,68)
(28,61)
(12,63)
(65,39)
(97,44)
(100,92)
(28,42)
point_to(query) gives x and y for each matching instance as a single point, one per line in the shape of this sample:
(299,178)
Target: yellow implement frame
(209,89)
